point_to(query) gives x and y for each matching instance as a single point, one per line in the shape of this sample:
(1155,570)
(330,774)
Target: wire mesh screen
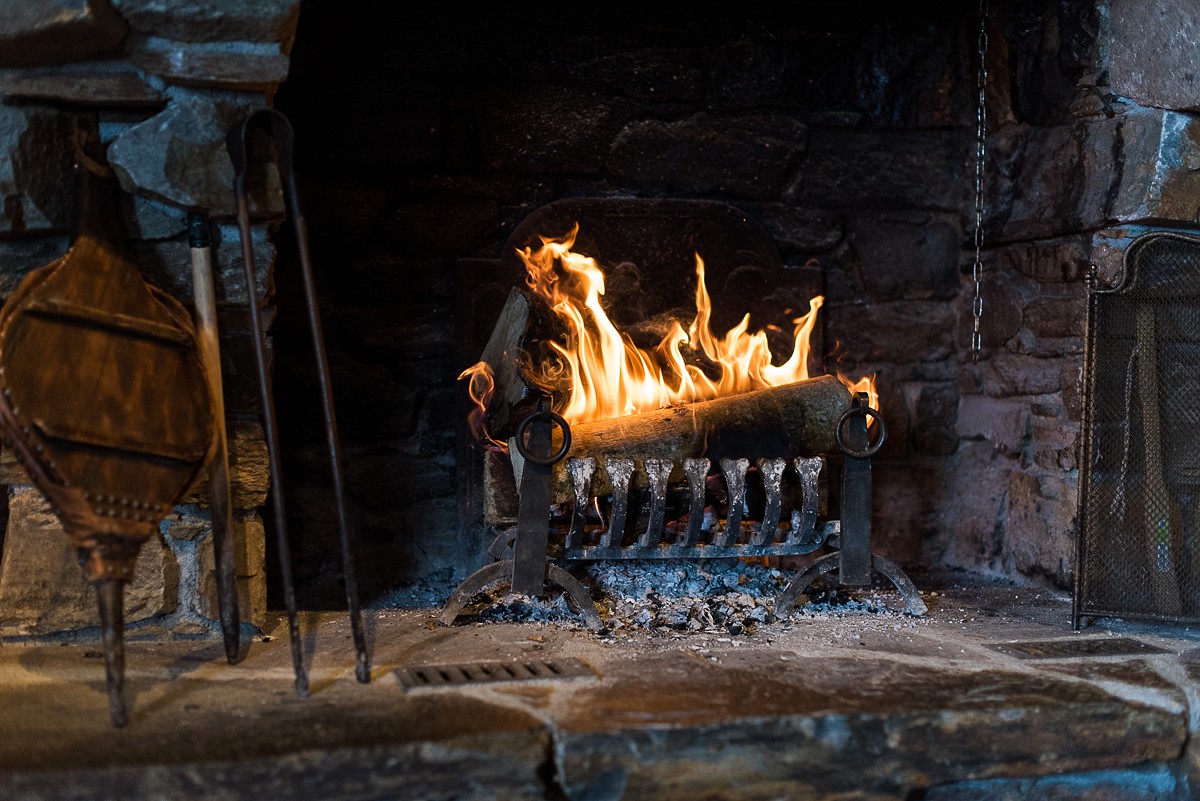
(1139,552)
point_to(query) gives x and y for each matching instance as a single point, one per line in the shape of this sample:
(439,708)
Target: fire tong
(277,127)
(853,560)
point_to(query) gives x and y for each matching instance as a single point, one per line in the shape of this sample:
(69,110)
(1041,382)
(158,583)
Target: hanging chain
(980,157)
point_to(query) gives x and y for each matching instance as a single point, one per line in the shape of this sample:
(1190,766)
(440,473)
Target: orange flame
(611,377)
(480,387)
(866,385)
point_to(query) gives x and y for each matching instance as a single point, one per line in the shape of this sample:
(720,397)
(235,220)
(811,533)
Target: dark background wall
(426,133)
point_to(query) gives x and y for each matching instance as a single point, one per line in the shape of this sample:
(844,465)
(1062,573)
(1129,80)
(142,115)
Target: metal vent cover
(1077,648)
(1139,548)
(463,673)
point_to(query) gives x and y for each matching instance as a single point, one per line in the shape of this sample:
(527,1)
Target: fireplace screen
(1139,552)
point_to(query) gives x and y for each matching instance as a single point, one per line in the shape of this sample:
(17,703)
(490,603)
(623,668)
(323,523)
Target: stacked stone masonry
(849,140)
(161,83)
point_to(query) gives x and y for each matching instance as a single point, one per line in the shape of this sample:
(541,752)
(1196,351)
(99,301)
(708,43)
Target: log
(517,342)
(786,421)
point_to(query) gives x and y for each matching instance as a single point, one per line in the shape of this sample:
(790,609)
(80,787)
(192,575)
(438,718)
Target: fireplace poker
(277,127)
(200,240)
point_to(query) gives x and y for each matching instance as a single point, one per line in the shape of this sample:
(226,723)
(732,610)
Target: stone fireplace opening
(426,139)
(851,145)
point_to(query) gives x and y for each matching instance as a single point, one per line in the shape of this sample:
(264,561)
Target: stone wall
(847,134)
(161,82)
(424,139)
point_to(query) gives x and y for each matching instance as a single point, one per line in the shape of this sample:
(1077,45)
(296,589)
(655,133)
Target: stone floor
(834,703)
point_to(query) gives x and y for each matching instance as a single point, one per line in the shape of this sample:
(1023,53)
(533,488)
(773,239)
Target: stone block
(800,231)
(213,20)
(1057,313)
(1005,294)
(88,84)
(36,170)
(168,264)
(19,256)
(187,523)
(1157,783)
(747,158)
(935,413)
(250,558)
(179,156)
(905,497)
(891,170)
(1160,178)
(902,332)
(1151,52)
(1051,181)
(1004,422)
(249,468)
(55,31)
(1052,62)
(906,255)
(1055,443)
(968,532)
(233,65)
(1040,528)
(626,738)
(42,589)
(150,220)
(1061,260)
(1008,374)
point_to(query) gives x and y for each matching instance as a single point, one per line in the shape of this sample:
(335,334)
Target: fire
(609,376)
(480,387)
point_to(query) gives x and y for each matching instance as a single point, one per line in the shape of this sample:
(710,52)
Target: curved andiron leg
(785,602)
(475,583)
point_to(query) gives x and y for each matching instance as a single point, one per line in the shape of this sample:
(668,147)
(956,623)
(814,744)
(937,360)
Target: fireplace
(844,164)
(866,203)
(840,142)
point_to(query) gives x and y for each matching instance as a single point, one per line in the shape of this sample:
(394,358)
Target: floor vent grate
(1075,649)
(460,674)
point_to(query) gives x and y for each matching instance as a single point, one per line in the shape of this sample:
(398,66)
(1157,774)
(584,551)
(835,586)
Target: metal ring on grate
(543,415)
(871,449)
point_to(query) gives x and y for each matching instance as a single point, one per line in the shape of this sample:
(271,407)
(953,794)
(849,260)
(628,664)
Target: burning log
(796,419)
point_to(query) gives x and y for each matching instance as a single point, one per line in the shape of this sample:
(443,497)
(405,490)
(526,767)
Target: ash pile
(677,598)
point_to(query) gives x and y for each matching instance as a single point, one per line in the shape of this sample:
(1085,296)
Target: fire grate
(457,675)
(1075,648)
(1139,553)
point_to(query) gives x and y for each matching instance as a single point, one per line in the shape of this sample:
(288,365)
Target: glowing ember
(609,376)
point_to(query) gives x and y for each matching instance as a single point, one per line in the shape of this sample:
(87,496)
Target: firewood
(786,421)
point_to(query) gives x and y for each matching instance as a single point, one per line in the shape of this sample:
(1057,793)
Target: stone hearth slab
(815,728)
(824,706)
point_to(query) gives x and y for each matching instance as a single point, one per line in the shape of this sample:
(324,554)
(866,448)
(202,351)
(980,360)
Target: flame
(610,376)
(480,387)
(866,385)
